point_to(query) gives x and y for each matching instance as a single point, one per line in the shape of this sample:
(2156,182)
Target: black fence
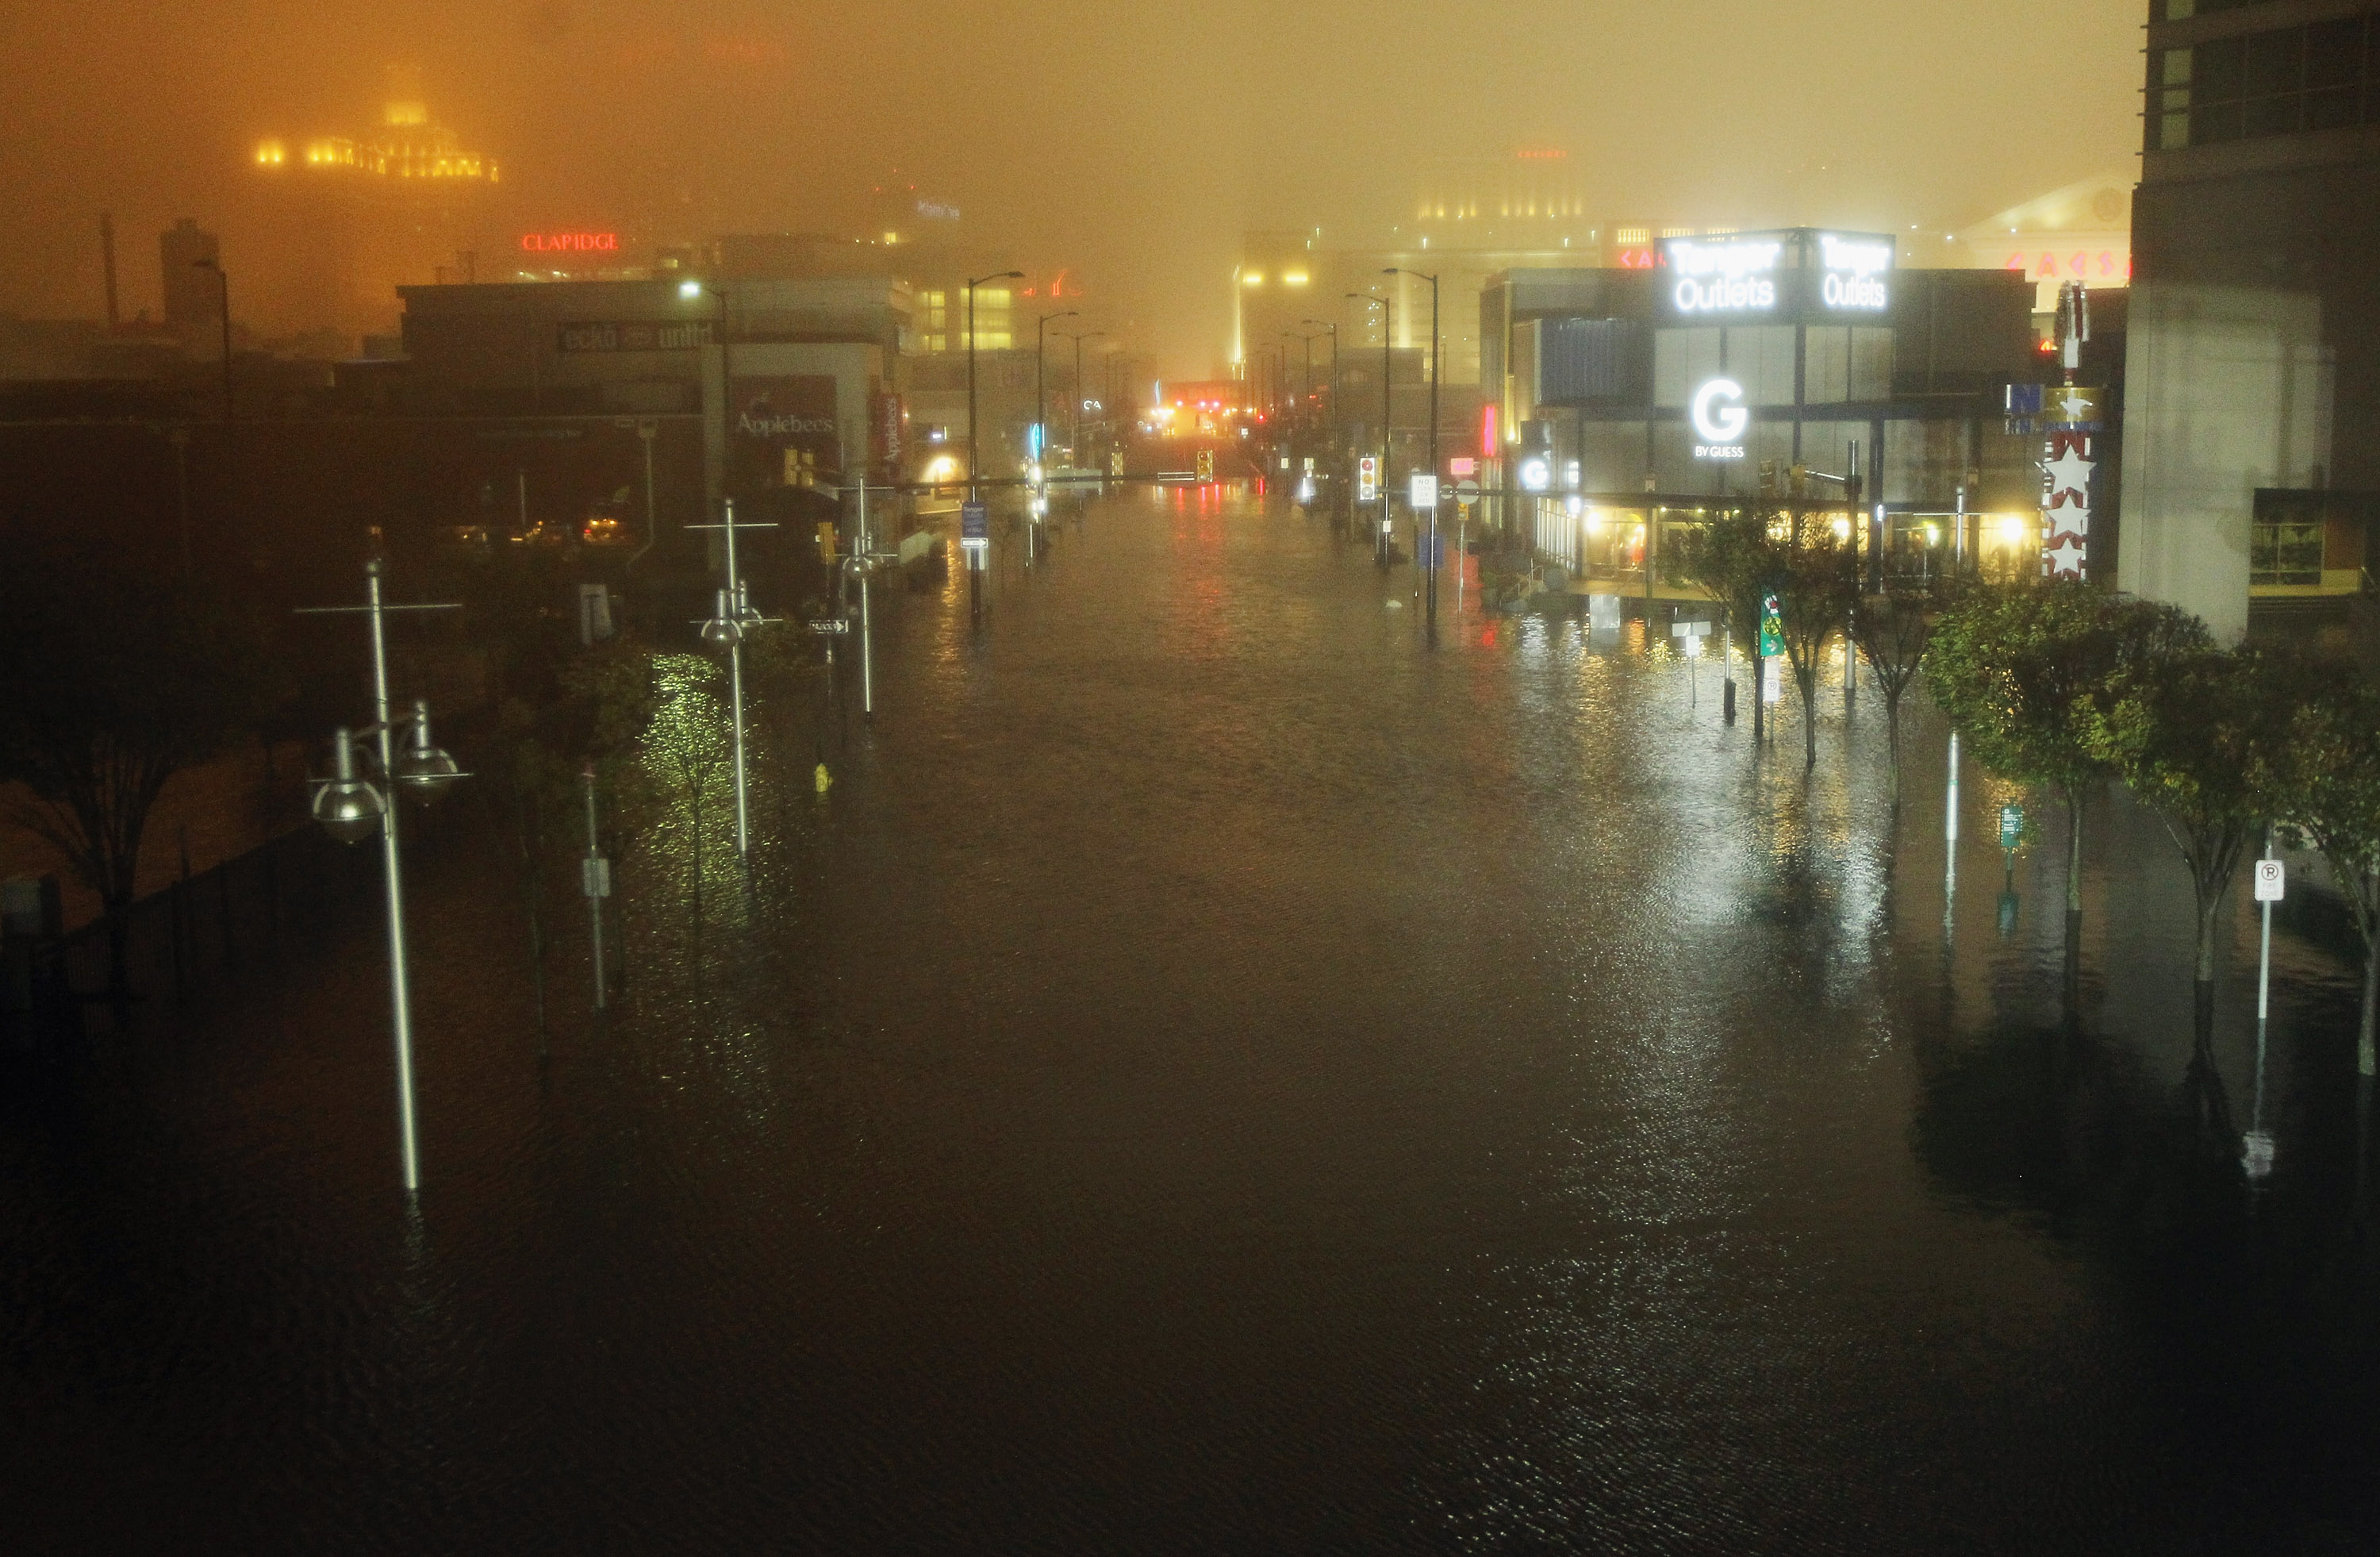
(211,930)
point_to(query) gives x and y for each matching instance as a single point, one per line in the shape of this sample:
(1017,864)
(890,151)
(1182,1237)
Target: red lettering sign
(1636,260)
(570,243)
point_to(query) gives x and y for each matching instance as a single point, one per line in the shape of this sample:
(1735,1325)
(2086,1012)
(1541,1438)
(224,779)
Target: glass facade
(2285,81)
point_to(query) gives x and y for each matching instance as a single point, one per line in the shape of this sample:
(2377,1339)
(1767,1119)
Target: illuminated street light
(1433,431)
(351,809)
(732,616)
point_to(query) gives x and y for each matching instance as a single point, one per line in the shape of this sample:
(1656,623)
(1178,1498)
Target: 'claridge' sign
(1721,426)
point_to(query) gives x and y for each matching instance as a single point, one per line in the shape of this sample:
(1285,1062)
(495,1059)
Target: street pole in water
(867,642)
(598,887)
(2256,1146)
(1950,835)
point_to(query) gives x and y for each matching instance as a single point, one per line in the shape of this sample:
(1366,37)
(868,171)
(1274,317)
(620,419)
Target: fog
(1132,143)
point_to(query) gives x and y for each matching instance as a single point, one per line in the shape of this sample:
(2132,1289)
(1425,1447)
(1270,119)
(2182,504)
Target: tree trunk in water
(1892,740)
(2203,969)
(1759,703)
(2365,1031)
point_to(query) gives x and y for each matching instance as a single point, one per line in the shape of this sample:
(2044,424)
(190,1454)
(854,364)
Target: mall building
(1629,401)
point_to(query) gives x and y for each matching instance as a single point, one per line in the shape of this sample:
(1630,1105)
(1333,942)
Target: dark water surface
(1216,1075)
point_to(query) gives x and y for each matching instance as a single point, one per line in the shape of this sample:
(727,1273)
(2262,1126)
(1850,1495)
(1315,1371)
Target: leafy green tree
(2324,773)
(116,678)
(2191,732)
(1892,630)
(2013,667)
(1741,559)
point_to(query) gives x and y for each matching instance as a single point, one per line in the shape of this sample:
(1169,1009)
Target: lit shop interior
(1800,369)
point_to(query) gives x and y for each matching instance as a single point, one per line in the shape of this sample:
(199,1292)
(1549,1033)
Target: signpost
(2011,835)
(2256,1145)
(1690,636)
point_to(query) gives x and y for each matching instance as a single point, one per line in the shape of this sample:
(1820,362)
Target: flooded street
(1217,1073)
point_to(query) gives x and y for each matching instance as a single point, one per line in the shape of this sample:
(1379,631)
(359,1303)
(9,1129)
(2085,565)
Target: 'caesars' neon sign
(570,243)
(1720,425)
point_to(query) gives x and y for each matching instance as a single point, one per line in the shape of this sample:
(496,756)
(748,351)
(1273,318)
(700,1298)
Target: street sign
(2011,826)
(1467,492)
(1461,464)
(974,521)
(2269,881)
(1432,550)
(1690,629)
(595,875)
(1423,492)
(1367,479)
(1772,627)
(830,624)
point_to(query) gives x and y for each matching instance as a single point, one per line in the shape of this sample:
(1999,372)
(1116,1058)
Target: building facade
(2253,351)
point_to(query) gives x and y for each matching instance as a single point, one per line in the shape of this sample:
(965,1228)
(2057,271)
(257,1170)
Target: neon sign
(571,243)
(1721,426)
(1724,276)
(1854,271)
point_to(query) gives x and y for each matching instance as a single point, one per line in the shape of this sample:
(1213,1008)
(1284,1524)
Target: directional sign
(974,521)
(2269,879)
(1772,627)
(1690,629)
(2011,826)
(1367,479)
(1423,492)
(830,624)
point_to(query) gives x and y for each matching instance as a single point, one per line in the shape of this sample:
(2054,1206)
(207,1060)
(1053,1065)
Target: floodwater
(1217,1073)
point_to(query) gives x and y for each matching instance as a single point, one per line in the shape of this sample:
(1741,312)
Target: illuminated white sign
(1724,277)
(1719,419)
(1855,269)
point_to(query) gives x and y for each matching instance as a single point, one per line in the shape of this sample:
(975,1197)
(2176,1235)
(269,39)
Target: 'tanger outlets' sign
(1854,271)
(1719,419)
(1724,276)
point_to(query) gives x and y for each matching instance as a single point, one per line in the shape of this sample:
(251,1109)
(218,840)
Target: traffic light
(1206,465)
(826,542)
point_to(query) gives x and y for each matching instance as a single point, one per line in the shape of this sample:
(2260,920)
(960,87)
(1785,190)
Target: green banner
(1772,627)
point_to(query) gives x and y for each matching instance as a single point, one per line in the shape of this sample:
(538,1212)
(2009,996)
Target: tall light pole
(1306,373)
(1333,329)
(223,280)
(1074,430)
(1433,433)
(725,629)
(975,457)
(351,809)
(1041,401)
(1388,412)
(691,289)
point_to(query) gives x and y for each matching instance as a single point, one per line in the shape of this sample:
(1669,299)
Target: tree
(116,680)
(2324,775)
(1741,559)
(2013,666)
(2191,734)
(1892,630)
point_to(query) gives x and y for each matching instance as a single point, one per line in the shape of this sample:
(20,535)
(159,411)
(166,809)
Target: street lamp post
(1333,329)
(1433,433)
(1074,432)
(223,280)
(731,616)
(1388,412)
(1306,373)
(351,809)
(983,559)
(1041,431)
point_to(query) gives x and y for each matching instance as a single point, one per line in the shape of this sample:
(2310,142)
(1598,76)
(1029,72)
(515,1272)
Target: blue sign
(974,521)
(1433,550)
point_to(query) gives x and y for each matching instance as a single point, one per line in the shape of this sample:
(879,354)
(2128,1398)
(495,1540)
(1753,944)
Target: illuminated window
(1632,238)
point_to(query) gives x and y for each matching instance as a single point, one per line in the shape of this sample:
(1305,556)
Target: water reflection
(1216,1071)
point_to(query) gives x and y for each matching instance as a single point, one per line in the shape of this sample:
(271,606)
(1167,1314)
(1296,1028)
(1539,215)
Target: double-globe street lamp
(1433,433)
(982,559)
(352,809)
